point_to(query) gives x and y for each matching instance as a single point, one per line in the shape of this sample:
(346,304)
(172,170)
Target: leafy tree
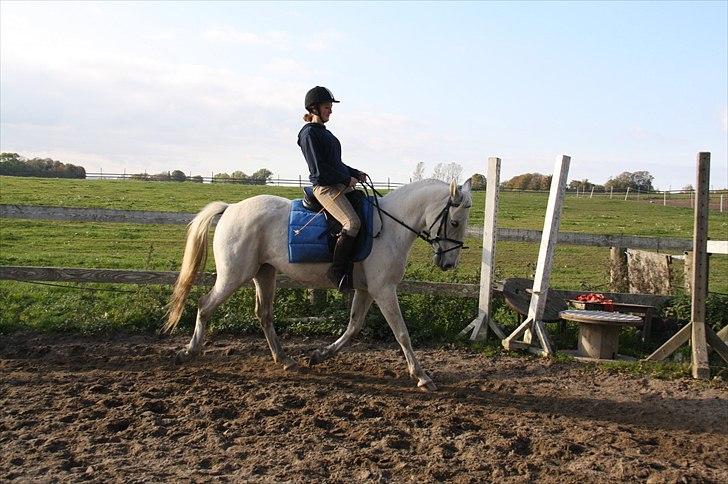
(238,177)
(419,172)
(221,178)
(478,182)
(261,176)
(529,181)
(196,179)
(15,165)
(639,180)
(178,176)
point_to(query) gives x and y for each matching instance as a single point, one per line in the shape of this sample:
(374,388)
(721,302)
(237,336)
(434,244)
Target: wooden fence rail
(119,276)
(504,234)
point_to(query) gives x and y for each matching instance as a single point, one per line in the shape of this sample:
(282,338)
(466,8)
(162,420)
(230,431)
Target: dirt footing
(76,409)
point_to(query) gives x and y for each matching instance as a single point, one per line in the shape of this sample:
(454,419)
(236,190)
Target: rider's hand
(362,176)
(352,182)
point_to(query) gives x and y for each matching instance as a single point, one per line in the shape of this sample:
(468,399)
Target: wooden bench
(599,331)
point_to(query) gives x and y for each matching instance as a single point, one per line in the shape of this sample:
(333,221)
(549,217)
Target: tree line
(12,164)
(635,181)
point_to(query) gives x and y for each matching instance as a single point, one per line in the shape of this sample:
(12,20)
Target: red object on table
(597,298)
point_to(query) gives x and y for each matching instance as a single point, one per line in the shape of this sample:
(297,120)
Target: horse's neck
(410,204)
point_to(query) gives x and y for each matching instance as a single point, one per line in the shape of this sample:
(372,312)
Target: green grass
(159,247)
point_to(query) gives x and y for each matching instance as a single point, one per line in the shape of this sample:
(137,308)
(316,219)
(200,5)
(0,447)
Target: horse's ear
(453,188)
(466,186)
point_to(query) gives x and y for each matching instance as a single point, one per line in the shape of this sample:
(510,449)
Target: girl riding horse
(330,178)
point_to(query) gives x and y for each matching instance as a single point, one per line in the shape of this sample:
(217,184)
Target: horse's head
(447,225)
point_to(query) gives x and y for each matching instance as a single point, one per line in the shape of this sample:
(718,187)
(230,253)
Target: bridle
(442,217)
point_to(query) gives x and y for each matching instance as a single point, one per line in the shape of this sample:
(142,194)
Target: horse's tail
(193,261)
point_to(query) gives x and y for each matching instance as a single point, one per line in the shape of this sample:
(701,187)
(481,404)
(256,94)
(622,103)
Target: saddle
(312,236)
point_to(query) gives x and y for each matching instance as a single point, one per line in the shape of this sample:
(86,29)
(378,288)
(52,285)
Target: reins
(442,217)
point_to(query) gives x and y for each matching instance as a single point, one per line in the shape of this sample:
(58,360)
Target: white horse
(251,243)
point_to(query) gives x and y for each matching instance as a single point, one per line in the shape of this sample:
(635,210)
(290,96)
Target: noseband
(443,217)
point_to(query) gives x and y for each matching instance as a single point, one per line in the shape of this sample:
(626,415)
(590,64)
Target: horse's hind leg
(265,288)
(389,305)
(207,304)
(359,308)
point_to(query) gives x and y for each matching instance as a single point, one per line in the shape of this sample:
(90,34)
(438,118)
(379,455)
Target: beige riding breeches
(333,200)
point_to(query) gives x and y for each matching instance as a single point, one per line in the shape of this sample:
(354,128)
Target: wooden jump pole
(591,195)
(626,194)
(533,322)
(483,320)
(700,334)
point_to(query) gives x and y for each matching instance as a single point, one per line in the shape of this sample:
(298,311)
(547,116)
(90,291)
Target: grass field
(159,247)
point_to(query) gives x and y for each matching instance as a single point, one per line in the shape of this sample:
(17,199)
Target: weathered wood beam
(120,276)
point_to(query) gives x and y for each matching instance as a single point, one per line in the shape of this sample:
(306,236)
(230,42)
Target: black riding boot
(340,271)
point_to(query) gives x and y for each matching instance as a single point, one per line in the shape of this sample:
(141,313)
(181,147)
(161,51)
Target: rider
(331,179)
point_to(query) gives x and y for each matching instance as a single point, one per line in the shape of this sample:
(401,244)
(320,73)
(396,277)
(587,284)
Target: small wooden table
(599,331)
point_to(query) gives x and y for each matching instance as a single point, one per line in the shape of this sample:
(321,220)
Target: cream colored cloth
(332,198)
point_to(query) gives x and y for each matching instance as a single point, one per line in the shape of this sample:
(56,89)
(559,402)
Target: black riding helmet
(318,95)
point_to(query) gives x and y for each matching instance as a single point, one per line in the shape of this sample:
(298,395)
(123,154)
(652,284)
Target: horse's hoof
(427,386)
(183,356)
(290,365)
(315,358)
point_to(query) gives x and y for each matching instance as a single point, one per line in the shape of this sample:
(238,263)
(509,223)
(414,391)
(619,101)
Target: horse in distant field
(250,242)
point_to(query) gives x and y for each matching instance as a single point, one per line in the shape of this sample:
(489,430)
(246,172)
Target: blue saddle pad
(313,244)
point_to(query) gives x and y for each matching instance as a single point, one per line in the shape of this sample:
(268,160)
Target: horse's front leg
(386,298)
(359,308)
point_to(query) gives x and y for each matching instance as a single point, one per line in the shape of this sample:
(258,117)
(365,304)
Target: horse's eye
(454,223)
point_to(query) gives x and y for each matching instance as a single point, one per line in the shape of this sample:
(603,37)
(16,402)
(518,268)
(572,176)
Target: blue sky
(211,87)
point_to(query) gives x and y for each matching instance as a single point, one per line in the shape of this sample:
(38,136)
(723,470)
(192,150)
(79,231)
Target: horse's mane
(404,191)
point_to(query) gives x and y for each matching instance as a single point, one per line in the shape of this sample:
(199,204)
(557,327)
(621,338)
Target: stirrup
(345,284)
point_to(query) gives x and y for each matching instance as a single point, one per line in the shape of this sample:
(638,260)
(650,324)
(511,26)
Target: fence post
(611,190)
(591,195)
(626,194)
(618,272)
(387,183)
(299,181)
(664,199)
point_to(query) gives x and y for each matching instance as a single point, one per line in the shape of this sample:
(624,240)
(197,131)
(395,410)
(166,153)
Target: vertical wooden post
(611,191)
(543,266)
(626,194)
(721,203)
(618,269)
(388,183)
(700,268)
(591,195)
(688,272)
(487,262)
(664,199)
(299,181)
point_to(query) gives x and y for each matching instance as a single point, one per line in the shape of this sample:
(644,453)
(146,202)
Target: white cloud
(323,41)
(229,34)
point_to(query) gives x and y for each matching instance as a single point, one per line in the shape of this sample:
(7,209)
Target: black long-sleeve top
(322,151)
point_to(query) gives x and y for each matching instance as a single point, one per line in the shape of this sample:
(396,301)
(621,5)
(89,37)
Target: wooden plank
(700,268)
(663,244)
(649,272)
(487,262)
(121,276)
(547,249)
(677,340)
(716,343)
(70,214)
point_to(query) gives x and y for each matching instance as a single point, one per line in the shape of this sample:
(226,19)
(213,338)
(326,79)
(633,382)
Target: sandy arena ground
(77,409)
